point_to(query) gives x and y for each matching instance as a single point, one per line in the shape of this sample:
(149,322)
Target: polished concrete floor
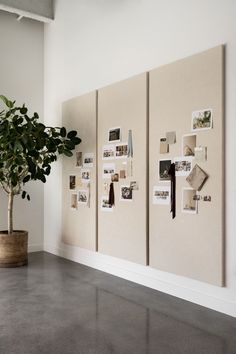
(55,306)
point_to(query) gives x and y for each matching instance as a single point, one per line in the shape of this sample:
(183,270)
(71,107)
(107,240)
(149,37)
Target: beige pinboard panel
(122,233)
(79,226)
(190,245)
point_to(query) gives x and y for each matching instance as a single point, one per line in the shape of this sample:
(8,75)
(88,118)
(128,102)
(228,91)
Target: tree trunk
(10,212)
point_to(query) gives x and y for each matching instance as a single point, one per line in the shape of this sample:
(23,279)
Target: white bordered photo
(83,196)
(114,134)
(189,201)
(88,159)
(202,120)
(121,150)
(105,206)
(183,165)
(126,193)
(108,169)
(189,143)
(161,195)
(108,152)
(85,175)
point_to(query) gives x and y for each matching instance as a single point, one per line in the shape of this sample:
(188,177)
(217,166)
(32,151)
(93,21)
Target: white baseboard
(35,248)
(165,282)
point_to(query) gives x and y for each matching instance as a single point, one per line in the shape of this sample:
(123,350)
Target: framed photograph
(108,170)
(108,152)
(82,196)
(189,142)
(79,161)
(161,195)
(164,166)
(126,193)
(85,175)
(72,182)
(121,150)
(73,201)
(183,165)
(189,201)
(114,134)
(88,159)
(105,206)
(201,120)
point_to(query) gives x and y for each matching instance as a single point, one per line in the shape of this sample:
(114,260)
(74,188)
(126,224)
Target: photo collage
(189,164)
(79,183)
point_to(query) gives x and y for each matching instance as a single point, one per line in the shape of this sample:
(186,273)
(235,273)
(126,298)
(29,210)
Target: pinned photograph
(88,159)
(78,181)
(164,166)
(200,153)
(122,174)
(183,165)
(108,170)
(121,150)
(105,206)
(134,185)
(73,201)
(126,193)
(108,152)
(171,137)
(85,176)
(79,160)
(201,120)
(161,195)
(115,177)
(164,146)
(188,144)
(114,134)
(83,196)
(72,182)
(189,202)
(197,178)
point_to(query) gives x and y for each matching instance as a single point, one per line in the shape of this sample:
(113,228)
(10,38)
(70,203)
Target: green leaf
(7,102)
(63,132)
(71,134)
(67,153)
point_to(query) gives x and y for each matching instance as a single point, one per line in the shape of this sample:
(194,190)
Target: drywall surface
(21,73)
(94,44)
(42,8)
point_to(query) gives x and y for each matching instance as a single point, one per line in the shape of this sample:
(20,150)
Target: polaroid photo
(189,142)
(200,153)
(183,165)
(134,185)
(73,201)
(115,177)
(79,160)
(72,182)
(108,152)
(83,196)
(105,206)
(114,134)
(88,159)
(121,150)
(108,170)
(164,166)
(126,193)
(201,120)
(161,195)
(85,175)
(189,202)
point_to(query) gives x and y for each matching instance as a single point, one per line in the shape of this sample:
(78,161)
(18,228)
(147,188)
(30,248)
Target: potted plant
(27,150)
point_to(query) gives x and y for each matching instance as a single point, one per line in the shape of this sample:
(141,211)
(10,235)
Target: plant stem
(10,212)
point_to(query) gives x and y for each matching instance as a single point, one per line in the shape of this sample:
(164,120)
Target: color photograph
(201,120)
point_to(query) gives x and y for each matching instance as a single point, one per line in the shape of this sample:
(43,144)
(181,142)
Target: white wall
(21,79)
(98,42)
